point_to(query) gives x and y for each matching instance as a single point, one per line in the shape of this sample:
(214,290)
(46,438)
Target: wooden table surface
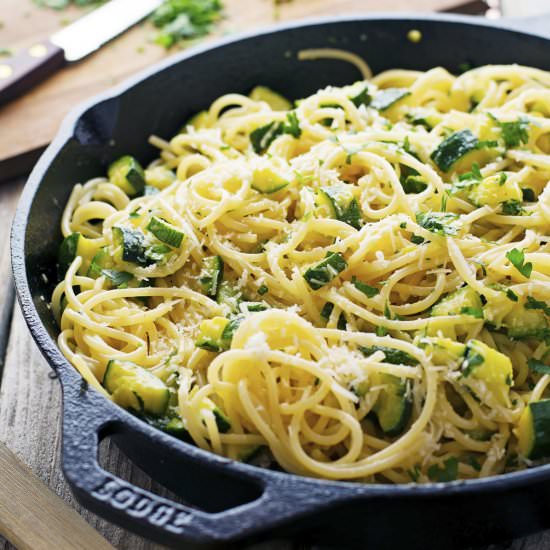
(29,396)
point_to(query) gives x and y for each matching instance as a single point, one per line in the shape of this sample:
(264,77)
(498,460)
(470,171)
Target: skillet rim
(68,374)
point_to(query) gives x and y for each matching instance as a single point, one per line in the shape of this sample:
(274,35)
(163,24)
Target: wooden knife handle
(28,67)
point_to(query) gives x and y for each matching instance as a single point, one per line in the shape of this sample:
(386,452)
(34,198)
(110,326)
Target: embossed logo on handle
(140,504)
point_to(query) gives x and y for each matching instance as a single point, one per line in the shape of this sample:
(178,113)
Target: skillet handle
(87,416)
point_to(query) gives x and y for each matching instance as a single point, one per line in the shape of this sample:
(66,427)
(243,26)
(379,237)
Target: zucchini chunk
(524,323)
(453,148)
(222,421)
(391,355)
(211,334)
(229,295)
(490,191)
(127,173)
(134,387)
(72,246)
(533,431)
(165,232)
(266,180)
(388,97)
(340,203)
(358,93)
(211,275)
(444,350)
(393,406)
(488,373)
(159,177)
(132,245)
(276,101)
(465,300)
(325,271)
(101,261)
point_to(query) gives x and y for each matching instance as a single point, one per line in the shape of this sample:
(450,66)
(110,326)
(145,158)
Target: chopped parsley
(512,208)
(517,259)
(447,472)
(514,133)
(184,20)
(532,303)
(438,222)
(511,295)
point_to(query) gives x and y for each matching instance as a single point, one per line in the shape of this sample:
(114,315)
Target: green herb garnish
(517,258)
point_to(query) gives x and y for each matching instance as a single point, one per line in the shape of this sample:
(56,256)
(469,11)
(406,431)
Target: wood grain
(32,120)
(33,518)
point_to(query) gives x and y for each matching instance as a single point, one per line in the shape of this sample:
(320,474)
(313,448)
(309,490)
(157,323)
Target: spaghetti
(357,285)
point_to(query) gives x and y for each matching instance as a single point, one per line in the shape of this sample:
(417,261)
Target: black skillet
(229,501)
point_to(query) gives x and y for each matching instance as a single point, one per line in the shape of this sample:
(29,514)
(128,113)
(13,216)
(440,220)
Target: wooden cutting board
(30,122)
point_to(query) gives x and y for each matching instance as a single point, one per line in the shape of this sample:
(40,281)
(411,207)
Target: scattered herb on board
(179,20)
(61,4)
(176,20)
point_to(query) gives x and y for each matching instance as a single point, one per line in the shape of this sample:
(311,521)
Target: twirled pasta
(373,266)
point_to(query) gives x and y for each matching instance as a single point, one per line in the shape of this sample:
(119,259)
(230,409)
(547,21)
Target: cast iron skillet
(229,501)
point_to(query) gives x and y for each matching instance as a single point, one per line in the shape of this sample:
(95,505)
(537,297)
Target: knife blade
(90,32)
(20,72)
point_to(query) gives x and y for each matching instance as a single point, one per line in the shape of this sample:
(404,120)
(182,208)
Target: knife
(29,66)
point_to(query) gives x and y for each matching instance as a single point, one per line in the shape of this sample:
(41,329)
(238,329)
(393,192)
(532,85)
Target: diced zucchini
(170,425)
(340,203)
(465,300)
(453,148)
(229,295)
(533,431)
(358,93)
(100,261)
(211,336)
(134,387)
(429,118)
(159,177)
(276,101)
(222,421)
(165,232)
(487,372)
(393,406)
(72,246)
(491,191)
(229,330)
(444,350)
(266,180)
(131,243)
(391,355)
(248,452)
(523,323)
(254,307)
(127,173)
(211,275)
(325,271)
(384,99)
